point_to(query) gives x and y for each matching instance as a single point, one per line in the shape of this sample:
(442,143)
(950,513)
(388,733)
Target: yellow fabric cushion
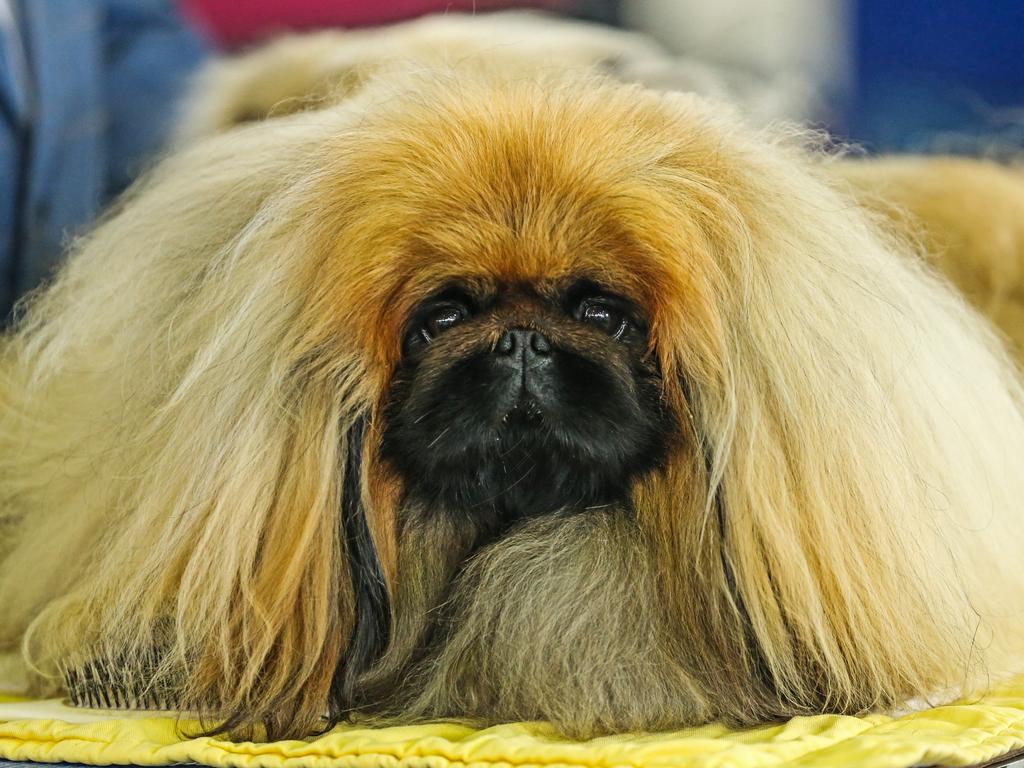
(956,735)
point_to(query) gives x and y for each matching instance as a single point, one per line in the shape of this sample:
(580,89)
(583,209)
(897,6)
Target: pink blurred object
(230,23)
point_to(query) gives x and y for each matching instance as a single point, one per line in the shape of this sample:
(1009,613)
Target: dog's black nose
(523,343)
(526,357)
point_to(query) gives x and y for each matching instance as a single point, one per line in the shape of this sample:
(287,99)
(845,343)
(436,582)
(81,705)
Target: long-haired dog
(493,396)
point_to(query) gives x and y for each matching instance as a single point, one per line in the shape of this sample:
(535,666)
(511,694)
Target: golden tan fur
(969,216)
(836,529)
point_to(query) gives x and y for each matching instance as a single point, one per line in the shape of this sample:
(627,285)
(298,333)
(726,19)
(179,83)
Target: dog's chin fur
(559,620)
(196,493)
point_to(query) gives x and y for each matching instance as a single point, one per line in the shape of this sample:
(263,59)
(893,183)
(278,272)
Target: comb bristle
(97,684)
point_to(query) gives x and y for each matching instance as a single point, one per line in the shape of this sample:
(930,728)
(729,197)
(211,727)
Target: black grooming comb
(101,684)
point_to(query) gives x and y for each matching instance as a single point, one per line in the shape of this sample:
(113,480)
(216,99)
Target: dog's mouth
(525,460)
(528,459)
(525,413)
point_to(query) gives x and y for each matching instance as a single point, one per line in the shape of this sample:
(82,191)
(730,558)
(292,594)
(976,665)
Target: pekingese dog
(493,394)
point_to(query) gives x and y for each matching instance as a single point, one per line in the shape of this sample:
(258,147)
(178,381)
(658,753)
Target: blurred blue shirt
(88,90)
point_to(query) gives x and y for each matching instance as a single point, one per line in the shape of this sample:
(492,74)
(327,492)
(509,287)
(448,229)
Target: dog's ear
(835,450)
(205,411)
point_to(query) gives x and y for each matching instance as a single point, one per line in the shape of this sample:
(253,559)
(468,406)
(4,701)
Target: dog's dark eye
(443,317)
(604,316)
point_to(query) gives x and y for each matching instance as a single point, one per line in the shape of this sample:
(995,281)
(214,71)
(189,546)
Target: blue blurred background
(89,88)
(892,75)
(936,75)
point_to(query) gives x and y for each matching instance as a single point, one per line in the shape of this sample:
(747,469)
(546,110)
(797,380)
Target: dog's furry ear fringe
(831,538)
(200,532)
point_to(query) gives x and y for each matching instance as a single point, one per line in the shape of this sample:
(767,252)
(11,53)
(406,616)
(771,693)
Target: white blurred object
(778,58)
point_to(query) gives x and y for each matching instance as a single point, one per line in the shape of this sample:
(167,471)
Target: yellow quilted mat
(956,735)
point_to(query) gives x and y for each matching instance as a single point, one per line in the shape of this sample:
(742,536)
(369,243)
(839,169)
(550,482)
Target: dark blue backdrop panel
(938,74)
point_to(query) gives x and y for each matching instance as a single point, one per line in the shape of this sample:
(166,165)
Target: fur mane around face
(177,450)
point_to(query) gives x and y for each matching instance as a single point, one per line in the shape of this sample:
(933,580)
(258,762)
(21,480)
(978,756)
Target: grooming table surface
(988,732)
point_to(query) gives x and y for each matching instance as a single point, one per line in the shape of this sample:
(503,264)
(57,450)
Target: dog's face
(522,400)
(513,290)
